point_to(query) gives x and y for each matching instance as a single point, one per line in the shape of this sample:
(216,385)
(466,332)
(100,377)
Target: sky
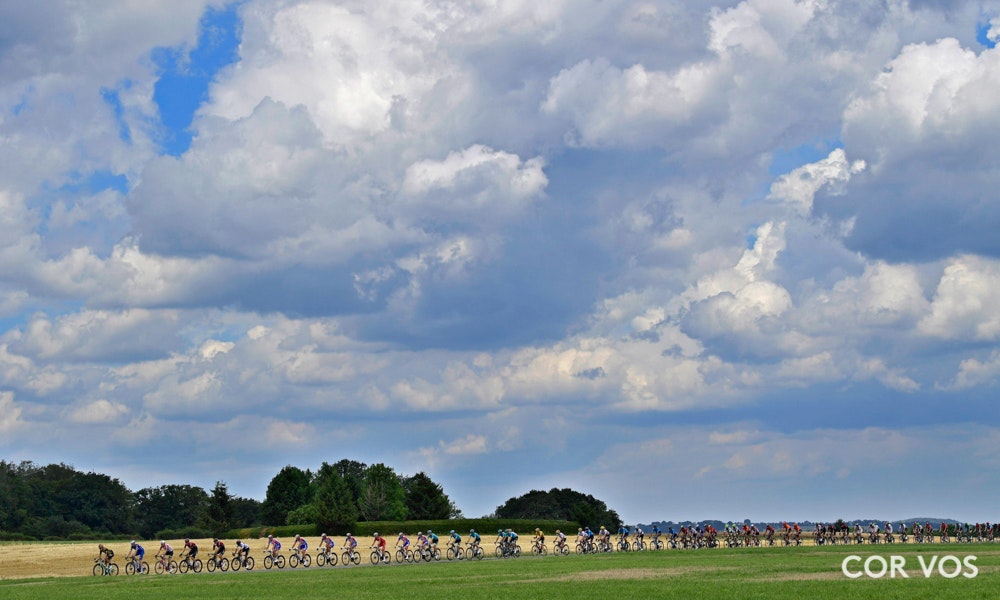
(701,260)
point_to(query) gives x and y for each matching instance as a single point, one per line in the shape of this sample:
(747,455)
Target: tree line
(58,502)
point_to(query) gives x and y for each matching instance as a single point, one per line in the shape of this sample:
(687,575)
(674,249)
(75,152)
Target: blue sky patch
(186,75)
(785,160)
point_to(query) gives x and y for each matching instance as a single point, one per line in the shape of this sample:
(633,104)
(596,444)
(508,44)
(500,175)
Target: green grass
(721,573)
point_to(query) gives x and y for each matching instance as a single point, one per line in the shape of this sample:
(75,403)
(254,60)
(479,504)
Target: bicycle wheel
(198,565)
(320,559)
(451,555)
(375,558)
(159,568)
(236,564)
(224,564)
(268,562)
(306,560)
(184,566)
(130,568)
(280,562)
(331,559)
(293,561)
(248,563)
(210,565)
(114,569)
(98,570)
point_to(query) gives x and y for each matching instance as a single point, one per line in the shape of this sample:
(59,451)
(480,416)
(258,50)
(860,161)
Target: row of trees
(339,495)
(58,501)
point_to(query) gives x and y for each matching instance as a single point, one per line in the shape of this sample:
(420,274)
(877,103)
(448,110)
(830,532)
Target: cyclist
(104,555)
(325,545)
(422,542)
(350,543)
(137,553)
(512,540)
(190,551)
(165,554)
(300,545)
(273,545)
(220,550)
(242,552)
(560,539)
(539,539)
(604,536)
(622,533)
(379,542)
(640,536)
(433,539)
(474,541)
(656,535)
(455,540)
(405,541)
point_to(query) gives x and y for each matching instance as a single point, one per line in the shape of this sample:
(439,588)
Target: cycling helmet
(376,534)
(420,533)
(471,531)
(162,543)
(349,535)
(271,537)
(186,540)
(214,540)
(296,536)
(238,542)
(132,542)
(452,532)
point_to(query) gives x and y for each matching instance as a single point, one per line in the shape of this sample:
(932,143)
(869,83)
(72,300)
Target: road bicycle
(539,548)
(379,557)
(273,561)
(188,564)
(475,551)
(560,549)
(350,557)
(326,557)
(214,562)
(241,562)
(135,566)
(162,565)
(295,559)
(102,568)
(404,555)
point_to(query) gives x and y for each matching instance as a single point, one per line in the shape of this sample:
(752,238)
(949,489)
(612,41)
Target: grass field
(805,572)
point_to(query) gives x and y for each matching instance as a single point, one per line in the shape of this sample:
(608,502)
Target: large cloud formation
(715,240)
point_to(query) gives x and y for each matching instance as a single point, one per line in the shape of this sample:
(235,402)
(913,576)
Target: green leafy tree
(353,473)
(335,508)
(425,500)
(382,497)
(245,511)
(170,507)
(288,490)
(219,516)
(564,504)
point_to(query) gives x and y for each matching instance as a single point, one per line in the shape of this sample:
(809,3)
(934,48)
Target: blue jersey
(474,536)
(139,550)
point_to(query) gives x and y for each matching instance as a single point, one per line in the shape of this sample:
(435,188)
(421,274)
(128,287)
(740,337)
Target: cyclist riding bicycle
(190,551)
(455,540)
(242,551)
(220,550)
(104,555)
(560,539)
(474,539)
(433,539)
(136,552)
(350,543)
(164,555)
(273,546)
(300,545)
(379,542)
(539,538)
(402,539)
(326,544)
